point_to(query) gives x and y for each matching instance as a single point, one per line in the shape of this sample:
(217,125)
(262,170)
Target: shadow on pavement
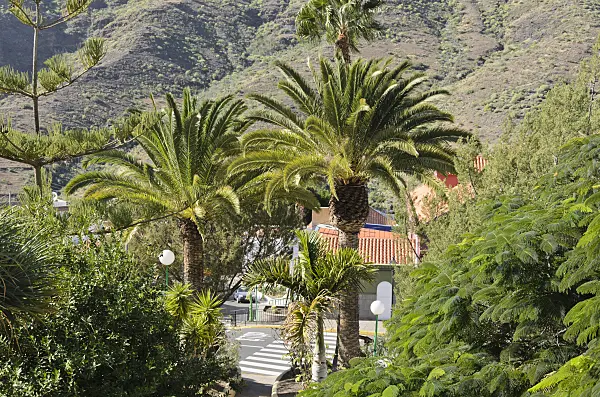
(252,388)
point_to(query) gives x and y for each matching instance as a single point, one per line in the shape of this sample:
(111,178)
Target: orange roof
(378,247)
(379,218)
(423,195)
(321,217)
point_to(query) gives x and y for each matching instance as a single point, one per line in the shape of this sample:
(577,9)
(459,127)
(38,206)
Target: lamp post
(167,257)
(377,308)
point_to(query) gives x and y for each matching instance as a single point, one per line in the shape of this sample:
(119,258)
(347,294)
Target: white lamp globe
(167,257)
(377,308)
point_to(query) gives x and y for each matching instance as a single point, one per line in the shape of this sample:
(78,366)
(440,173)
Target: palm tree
(189,149)
(198,316)
(353,124)
(26,271)
(319,277)
(343,22)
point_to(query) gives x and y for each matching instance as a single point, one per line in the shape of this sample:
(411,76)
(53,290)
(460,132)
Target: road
(263,358)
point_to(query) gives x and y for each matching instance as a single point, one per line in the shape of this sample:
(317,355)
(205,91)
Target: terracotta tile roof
(423,195)
(375,217)
(379,218)
(378,247)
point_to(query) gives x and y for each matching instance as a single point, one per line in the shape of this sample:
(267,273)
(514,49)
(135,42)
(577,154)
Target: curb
(369,333)
(276,384)
(255,326)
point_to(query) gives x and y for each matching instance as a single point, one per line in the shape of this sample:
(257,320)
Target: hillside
(497,57)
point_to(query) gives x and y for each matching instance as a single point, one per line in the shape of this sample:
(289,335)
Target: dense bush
(511,310)
(107,335)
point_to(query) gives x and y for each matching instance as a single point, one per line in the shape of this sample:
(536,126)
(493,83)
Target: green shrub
(510,310)
(108,335)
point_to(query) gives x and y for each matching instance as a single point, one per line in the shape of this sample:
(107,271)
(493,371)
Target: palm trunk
(342,44)
(349,213)
(319,365)
(193,261)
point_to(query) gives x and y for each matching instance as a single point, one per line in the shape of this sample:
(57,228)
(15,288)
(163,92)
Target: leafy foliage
(365,121)
(27,268)
(342,22)
(199,317)
(188,148)
(107,335)
(510,310)
(318,277)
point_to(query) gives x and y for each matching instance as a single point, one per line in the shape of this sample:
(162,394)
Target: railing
(261,316)
(8,199)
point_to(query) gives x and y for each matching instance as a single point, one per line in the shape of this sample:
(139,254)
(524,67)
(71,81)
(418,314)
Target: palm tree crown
(343,22)
(189,149)
(353,124)
(27,271)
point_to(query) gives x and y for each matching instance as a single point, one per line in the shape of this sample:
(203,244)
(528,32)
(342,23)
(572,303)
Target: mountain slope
(497,57)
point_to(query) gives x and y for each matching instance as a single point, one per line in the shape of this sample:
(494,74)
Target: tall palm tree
(26,271)
(189,150)
(353,124)
(319,277)
(343,22)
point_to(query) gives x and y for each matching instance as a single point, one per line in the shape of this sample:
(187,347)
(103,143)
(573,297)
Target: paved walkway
(263,358)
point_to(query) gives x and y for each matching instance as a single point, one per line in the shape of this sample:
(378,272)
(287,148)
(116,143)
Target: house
(423,196)
(378,245)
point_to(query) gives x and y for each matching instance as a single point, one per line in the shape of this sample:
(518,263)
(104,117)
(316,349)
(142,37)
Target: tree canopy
(512,309)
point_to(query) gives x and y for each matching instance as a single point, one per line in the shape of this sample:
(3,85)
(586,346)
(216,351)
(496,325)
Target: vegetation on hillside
(505,302)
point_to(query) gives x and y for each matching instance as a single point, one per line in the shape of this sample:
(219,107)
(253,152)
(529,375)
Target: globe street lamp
(167,257)
(377,308)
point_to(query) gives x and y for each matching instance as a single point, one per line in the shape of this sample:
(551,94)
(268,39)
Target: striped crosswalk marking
(280,356)
(281,367)
(266,349)
(268,360)
(259,371)
(273,359)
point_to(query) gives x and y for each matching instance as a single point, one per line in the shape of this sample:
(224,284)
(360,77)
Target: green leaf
(391,391)
(436,373)
(92,52)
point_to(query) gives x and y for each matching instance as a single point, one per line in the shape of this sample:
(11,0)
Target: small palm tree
(318,277)
(343,22)
(199,318)
(26,271)
(353,124)
(189,150)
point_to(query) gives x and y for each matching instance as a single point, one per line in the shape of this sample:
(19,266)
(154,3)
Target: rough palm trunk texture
(349,213)
(193,263)
(343,45)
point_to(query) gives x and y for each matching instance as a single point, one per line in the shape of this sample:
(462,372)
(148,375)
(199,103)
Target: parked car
(242,295)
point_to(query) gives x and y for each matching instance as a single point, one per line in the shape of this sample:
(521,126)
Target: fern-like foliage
(513,310)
